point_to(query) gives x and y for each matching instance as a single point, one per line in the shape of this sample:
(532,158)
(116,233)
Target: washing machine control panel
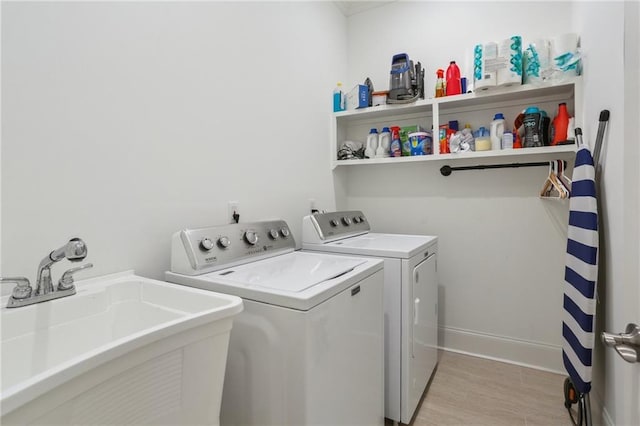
(196,251)
(335,225)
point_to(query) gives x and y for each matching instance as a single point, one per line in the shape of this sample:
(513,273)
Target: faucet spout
(75,250)
(23,294)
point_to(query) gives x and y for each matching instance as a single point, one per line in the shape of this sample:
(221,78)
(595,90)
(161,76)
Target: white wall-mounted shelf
(474,108)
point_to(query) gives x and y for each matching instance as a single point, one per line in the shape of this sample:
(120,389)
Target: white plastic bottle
(384,145)
(496,131)
(507,140)
(372,143)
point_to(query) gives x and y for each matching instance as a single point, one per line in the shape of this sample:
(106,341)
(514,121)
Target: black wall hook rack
(447,170)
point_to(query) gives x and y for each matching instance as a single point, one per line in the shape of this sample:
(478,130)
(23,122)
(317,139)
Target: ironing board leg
(587,406)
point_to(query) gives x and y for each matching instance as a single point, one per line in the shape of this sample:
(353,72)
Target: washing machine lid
(298,280)
(401,246)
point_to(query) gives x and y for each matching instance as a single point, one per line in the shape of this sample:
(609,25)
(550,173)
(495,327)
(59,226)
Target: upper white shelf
(496,95)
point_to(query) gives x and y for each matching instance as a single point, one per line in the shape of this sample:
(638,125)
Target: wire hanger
(553,185)
(562,178)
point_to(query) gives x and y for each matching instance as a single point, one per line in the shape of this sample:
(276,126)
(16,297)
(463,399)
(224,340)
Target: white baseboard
(606,418)
(520,352)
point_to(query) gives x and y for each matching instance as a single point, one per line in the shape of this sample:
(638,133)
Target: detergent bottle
(372,143)
(496,131)
(396,144)
(453,79)
(560,125)
(384,143)
(440,91)
(533,123)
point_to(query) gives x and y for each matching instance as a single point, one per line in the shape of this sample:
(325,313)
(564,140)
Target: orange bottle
(560,124)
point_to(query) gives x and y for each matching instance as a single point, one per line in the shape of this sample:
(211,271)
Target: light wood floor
(467,390)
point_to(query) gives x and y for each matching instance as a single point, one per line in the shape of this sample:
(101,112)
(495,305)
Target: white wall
(606,29)
(125,122)
(501,259)
(435,33)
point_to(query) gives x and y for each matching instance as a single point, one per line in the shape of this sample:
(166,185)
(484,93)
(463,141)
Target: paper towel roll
(537,65)
(484,59)
(509,72)
(565,57)
(565,43)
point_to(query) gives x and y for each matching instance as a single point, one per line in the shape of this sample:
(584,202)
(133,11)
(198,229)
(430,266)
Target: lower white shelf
(506,155)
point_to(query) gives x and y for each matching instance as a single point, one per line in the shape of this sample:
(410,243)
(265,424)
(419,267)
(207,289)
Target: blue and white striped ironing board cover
(581,272)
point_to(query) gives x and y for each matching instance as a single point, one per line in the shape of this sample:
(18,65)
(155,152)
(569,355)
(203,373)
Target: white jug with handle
(372,143)
(496,130)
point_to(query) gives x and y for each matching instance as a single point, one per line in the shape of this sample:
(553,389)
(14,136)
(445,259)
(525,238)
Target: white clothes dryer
(308,347)
(410,299)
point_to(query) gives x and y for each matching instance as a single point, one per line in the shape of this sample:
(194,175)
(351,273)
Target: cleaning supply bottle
(384,143)
(517,142)
(453,79)
(496,131)
(507,140)
(440,91)
(560,125)
(472,140)
(533,124)
(372,143)
(396,144)
(482,140)
(571,130)
(338,98)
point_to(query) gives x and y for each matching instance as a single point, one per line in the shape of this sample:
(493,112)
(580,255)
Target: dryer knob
(206,244)
(346,220)
(273,234)
(224,242)
(285,232)
(362,219)
(251,237)
(333,222)
(356,219)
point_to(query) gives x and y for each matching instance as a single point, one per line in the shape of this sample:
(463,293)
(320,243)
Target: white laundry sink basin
(124,349)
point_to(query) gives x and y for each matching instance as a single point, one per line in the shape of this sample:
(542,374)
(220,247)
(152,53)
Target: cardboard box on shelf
(358,97)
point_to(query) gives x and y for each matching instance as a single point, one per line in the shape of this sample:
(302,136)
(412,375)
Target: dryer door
(423,329)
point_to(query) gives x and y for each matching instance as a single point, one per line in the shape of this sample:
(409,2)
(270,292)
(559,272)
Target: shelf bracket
(447,170)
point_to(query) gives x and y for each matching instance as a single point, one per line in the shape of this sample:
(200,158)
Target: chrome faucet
(23,294)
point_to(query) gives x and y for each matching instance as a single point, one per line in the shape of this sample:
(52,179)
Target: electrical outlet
(233,208)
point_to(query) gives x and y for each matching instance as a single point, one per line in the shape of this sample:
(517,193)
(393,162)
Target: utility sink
(123,350)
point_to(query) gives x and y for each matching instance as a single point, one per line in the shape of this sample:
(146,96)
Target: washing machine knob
(346,220)
(356,219)
(224,242)
(251,237)
(206,244)
(285,232)
(273,234)
(362,219)
(333,222)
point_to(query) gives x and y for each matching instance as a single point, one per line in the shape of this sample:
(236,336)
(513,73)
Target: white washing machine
(308,347)
(410,299)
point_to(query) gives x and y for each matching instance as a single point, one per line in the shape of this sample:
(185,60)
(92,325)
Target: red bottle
(396,145)
(560,124)
(453,79)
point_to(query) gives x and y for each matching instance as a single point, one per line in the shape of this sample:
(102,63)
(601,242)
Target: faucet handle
(66,282)
(22,290)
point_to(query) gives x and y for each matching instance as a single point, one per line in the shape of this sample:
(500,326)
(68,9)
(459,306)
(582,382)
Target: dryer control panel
(202,250)
(326,227)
